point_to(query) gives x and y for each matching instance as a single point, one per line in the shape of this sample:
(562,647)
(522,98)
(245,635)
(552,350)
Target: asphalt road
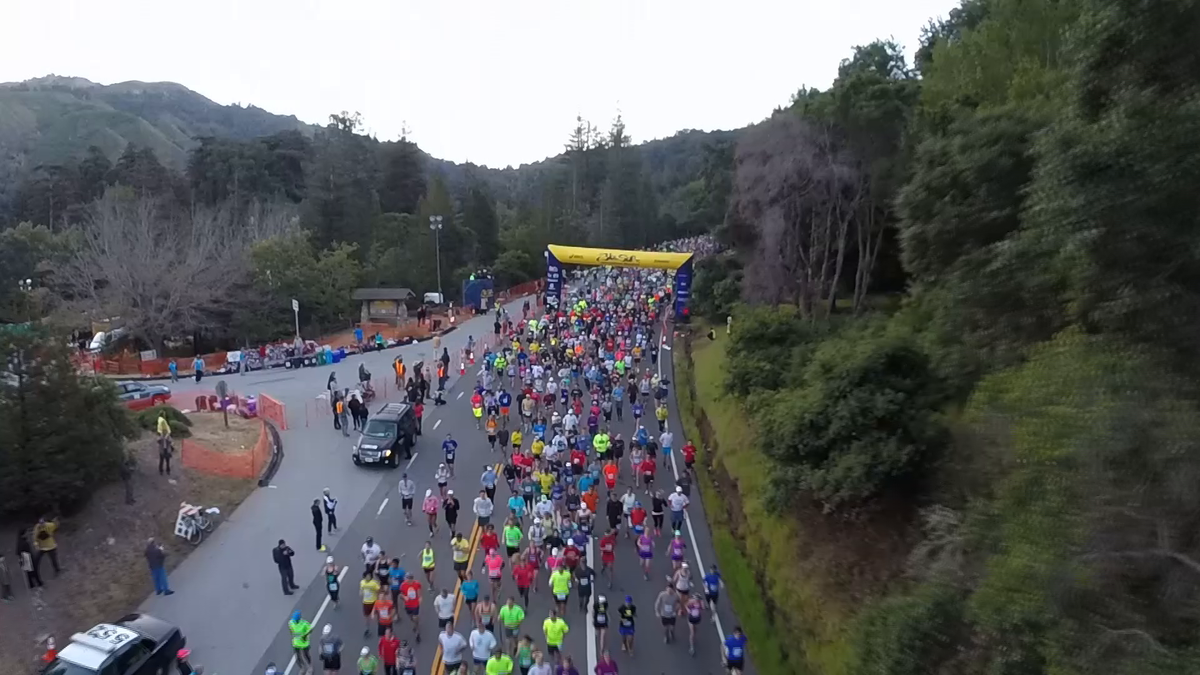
(382,518)
(228,600)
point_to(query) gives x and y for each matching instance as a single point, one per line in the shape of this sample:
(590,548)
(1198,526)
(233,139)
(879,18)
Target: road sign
(295,305)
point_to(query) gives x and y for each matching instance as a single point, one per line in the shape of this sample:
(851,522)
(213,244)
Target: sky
(495,83)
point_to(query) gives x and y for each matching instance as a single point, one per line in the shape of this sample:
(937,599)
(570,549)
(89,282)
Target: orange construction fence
(271,409)
(248,464)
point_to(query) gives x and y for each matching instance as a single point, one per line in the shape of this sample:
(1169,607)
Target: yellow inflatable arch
(557,256)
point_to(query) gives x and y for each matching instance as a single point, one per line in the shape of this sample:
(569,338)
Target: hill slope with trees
(964,297)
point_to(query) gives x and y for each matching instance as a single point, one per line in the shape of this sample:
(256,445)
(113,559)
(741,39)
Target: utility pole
(435,224)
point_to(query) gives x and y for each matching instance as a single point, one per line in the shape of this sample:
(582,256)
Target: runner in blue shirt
(735,651)
(449,446)
(712,590)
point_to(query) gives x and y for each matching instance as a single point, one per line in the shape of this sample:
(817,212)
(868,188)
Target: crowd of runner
(555,395)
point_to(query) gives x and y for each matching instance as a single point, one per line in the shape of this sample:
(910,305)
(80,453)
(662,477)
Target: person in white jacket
(483,508)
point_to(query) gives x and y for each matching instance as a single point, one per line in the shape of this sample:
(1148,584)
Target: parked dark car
(138,395)
(389,433)
(135,644)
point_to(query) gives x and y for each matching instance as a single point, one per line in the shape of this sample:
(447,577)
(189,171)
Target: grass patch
(764,553)
(240,436)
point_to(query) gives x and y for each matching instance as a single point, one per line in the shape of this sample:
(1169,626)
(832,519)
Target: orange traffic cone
(462,368)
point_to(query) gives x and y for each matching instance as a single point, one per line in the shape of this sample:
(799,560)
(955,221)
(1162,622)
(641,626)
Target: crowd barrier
(248,464)
(271,409)
(130,364)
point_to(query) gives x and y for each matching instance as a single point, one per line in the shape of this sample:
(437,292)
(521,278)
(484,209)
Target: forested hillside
(964,296)
(312,213)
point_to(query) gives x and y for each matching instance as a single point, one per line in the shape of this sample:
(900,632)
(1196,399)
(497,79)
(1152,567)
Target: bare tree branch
(164,273)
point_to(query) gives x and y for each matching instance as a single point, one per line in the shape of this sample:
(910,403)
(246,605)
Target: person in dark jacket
(283,560)
(156,560)
(318,521)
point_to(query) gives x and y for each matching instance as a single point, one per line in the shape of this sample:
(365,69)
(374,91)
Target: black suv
(389,433)
(135,644)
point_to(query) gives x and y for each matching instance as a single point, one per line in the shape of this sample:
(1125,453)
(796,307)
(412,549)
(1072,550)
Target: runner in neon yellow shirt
(556,631)
(560,586)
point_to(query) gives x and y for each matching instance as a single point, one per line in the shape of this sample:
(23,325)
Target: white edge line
(382,506)
(687,520)
(411,460)
(437,424)
(591,641)
(317,618)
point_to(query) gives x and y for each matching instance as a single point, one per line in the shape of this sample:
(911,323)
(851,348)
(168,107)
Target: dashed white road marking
(437,424)
(411,460)
(460,394)
(316,619)
(381,507)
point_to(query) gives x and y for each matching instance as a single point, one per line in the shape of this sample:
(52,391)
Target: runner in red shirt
(490,541)
(647,468)
(571,556)
(524,573)
(389,644)
(637,517)
(410,590)
(608,555)
(689,456)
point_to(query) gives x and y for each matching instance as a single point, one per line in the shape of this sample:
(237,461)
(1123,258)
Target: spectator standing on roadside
(43,539)
(128,467)
(6,593)
(330,510)
(174,368)
(25,560)
(317,522)
(156,559)
(282,555)
(198,367)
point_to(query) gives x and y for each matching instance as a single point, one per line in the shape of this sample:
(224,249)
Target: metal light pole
(435,224)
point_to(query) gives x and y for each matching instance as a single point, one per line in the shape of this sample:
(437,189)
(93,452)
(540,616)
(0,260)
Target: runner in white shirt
(483,643)
(444,604)
(453,646)
(371,551)
(408,490)
(627,501)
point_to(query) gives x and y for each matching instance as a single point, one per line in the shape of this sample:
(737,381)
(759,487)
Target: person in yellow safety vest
(401,370)
(339,414)
(300,628)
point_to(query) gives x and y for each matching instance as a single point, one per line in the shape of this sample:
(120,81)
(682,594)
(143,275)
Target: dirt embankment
(101,549)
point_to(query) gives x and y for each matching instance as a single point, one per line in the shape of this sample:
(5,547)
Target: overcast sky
(495,82)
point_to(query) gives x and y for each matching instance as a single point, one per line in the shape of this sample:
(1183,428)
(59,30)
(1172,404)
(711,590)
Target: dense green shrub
(769,347)
(864,420)
(716,286)
(907,634)
(61,435)
(147,419)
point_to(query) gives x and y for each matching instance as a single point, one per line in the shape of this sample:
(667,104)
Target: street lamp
(435,224)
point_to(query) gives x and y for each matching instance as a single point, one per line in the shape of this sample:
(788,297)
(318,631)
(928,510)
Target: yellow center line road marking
(439,668)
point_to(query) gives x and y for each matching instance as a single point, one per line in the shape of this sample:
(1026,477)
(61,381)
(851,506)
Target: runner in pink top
(606,665)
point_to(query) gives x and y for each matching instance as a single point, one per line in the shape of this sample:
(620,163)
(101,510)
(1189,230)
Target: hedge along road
(228,600)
